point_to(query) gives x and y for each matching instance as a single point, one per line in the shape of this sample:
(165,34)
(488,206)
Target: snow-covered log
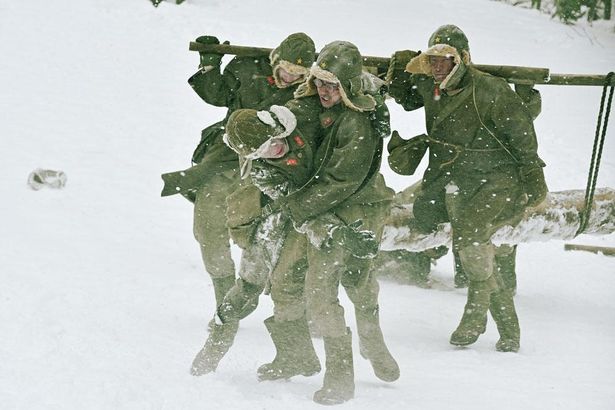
(556,218)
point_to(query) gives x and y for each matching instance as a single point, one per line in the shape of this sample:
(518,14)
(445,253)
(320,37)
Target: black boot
(502,309)
(338,385)
(295,354)
(474,320)
(221,286)
(219,341)
(373,347)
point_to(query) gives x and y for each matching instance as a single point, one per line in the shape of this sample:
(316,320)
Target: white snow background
(103,297)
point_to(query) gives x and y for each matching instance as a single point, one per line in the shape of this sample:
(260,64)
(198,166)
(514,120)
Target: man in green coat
(483,171)
(278,158)
(342,211)
(246,82)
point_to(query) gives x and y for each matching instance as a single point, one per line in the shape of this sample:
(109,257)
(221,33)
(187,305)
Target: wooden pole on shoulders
(512,74)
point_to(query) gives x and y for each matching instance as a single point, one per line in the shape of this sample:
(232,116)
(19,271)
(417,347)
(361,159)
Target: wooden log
(512,74)
(556,218)
(607,251)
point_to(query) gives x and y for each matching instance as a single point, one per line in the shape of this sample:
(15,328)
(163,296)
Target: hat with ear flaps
(247,131)
(341,63)
(295,54)
(446,41)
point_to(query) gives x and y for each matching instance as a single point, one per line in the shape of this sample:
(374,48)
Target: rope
(594,165)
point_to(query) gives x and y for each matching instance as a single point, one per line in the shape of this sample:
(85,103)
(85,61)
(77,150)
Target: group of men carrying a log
(292,175)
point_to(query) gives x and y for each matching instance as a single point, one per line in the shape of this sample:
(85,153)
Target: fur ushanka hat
(295,54)
(446,41)
(341,63)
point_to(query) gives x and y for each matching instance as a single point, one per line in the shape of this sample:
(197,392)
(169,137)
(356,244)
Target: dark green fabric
(295,354)
(239,301)
(212,59)
(246,132)
(535,186)
(380,117)
(406,155)
(338,384)
(346,162)
(344,60)
(474,320)
(246,82)
(461,149)
(451,35)
(502,308)
(373,346)
(218,343)
(297,48)
(297,166)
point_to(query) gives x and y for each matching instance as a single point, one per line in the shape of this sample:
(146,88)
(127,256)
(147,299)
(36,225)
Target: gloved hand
(531,98)
(406,155)
(396,72)
(524,90)
(362,244)
(209,59)
(173,185)
(534,186)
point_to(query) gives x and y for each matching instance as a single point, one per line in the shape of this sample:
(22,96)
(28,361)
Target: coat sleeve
(341,173)
(402,88)
(215,87)
(514,123)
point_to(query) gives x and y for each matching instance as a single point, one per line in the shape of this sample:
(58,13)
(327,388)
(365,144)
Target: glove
(524,90)
(406,155)
(534,186)
(171,184)
(208,58)
(531,98)
(396,72)
(362,244)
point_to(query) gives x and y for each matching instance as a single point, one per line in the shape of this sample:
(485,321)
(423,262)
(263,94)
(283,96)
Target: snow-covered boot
(373,347)
(295,354)
(474,320)
(338,385)
(502,309)
(219,341)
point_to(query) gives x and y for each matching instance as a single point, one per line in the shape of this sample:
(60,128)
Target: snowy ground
(103,298)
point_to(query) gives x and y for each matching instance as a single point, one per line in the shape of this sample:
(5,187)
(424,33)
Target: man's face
(441,67)
(287,78)
(275,148)
(329,93)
